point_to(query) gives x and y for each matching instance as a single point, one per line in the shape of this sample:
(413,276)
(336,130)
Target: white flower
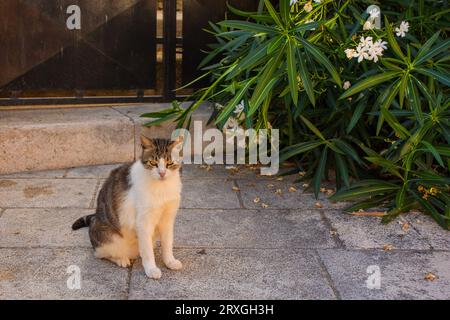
(317,1)
(401,31)
(219,106)
(293,2)
(346,85)
(374,13)
(366,42)
(361,53)
(368,25)
(239,108)
(308,7)
(350,53)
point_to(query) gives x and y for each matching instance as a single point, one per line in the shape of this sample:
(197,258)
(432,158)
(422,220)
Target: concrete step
(46,139)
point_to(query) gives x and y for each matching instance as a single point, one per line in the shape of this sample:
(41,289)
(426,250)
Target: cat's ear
(178,140)
(146,142)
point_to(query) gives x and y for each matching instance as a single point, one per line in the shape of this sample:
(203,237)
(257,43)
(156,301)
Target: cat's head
(157,157)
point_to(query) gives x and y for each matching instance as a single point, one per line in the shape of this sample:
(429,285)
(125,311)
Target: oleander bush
(356,92)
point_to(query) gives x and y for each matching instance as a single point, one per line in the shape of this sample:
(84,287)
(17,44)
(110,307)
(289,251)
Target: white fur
(150,207)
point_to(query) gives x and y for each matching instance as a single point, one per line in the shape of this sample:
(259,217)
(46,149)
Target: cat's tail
(83,222)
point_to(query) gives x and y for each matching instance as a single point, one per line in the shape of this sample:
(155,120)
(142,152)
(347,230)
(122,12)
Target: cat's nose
(162,174)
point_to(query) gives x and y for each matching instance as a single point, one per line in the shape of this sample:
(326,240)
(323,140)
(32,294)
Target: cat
(138,202)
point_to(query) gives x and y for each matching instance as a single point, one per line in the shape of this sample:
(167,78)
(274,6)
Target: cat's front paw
(153,272)
(174,264)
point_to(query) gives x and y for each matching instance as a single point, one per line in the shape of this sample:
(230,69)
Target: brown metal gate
(85,51)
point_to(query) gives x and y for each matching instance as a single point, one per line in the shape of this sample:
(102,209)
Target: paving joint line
(92,202)
(238,194)
(339,242)
(328,277)
(135,124)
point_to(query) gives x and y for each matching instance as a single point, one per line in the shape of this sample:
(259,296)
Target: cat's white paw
(153,272)
(174,264)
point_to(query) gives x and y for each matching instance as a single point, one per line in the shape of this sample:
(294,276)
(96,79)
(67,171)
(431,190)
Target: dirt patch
(6,275)
(32,191)
(7,183)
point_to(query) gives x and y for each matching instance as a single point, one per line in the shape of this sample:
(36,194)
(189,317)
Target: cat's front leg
(165,228)
(145,227)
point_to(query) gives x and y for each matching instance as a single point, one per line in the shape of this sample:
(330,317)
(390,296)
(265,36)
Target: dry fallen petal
(368,214)
(302,173)
(265,206)
(305,185)
(318,205)
(405,227)
(280,179)
(235,188)
(323,190)
(430,277)
(270,185)
(257,199)
(388,247)
(333,232)
(292,189)
(278,191)
(330,192)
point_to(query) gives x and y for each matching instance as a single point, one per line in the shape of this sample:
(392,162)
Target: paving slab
(251,229)
(49,193)
(44,274)
(236,274)
(428,228)
(55,139)
(369,232)
(91,171)
(42,228)
(268,193)
(209,194)
(402,274)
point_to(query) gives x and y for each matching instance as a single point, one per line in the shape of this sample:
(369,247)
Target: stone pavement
(232,245)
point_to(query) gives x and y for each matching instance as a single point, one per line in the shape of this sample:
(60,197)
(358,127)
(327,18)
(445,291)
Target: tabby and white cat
(137,202)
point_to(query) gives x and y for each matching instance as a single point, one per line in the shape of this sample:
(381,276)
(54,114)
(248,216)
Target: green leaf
(401,195)
(357,114)
(320,171)
(264,79)
(292,71)
(433,150)
(255,103)
(391,39)
(403,86)
(247,26)
(312,127)
(306,81)
(285,9)
(363,192)
(273,13)
(393,122)
(369,82)
(299,148)
(444,45)
(441,77)
(234,102)
(387,165)
(414,102)
(322,59)
(424,49)
(343,170)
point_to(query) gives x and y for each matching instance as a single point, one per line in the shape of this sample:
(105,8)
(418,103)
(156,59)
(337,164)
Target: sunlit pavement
(239,236)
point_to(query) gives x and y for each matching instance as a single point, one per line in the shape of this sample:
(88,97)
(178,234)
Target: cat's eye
(170,163)
(152,163)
